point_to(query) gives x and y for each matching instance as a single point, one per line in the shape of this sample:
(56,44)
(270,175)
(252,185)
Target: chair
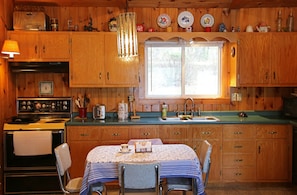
(155,141)
(63,163)
(139,177)
(186,184)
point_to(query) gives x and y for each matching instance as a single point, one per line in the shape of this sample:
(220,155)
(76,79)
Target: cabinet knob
(272,132)
(115,134)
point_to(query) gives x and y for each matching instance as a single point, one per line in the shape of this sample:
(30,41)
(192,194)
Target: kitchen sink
(183,118)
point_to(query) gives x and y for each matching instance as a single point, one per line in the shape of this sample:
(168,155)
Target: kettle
(99,112)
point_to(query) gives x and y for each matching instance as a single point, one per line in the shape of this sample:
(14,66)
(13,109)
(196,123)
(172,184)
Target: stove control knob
(29,103)
(64,107)
(43,106)
(38,106)
(29,108)
(23,103)
(24,107)
(65,102)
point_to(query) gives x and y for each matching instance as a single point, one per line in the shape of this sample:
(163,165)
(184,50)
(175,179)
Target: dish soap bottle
(164,111)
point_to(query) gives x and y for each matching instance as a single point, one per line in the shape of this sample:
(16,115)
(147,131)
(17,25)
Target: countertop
(154,119)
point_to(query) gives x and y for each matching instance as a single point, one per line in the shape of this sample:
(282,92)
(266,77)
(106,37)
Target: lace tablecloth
(176,160)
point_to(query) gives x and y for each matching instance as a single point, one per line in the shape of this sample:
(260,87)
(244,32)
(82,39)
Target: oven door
(38,162)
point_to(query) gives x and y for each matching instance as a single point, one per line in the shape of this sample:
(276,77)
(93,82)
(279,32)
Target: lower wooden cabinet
(241,152)
(274,152)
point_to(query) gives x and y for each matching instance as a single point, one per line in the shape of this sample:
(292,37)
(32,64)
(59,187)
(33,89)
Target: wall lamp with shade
(11,48)
(127,35)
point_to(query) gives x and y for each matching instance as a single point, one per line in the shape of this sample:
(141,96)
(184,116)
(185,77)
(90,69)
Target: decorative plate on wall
(207,20)
(164,21)
(185,19)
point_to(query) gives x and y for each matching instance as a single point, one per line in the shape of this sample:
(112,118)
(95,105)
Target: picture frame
(46,88)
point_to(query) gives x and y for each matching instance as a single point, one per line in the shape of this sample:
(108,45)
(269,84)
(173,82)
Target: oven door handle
(53,131)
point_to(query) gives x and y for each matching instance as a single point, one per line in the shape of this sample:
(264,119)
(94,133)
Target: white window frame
(180,43)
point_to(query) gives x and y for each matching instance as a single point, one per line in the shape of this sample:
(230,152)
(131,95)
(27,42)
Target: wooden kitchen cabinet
(119,71)
(95,62)
(283,59)
(87,60)
(274,153)
(41,46)
(265,59)
(81,140)
(239,154)
(213,134)
(254,61)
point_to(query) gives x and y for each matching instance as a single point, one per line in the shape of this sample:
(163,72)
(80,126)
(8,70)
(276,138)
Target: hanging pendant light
(127,35)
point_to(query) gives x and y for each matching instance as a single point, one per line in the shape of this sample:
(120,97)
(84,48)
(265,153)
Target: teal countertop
(154,119)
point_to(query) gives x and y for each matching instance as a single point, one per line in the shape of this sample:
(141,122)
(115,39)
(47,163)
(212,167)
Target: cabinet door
(87,62)
(213,134)
(284,64)
(54,45)
(28,45)
(254,59)
(119,71)
(274,153)
(81,140)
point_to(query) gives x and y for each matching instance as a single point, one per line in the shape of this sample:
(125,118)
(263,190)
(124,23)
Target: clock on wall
(46,88)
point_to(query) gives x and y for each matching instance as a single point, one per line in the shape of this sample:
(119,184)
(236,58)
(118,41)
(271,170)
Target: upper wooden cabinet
(41,46)
(87,60)
(95,62)
(265,59)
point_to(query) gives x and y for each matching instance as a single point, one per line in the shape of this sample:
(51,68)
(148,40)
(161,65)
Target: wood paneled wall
(252,98)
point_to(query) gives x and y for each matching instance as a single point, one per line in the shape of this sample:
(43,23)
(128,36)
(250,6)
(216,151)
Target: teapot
(262,27)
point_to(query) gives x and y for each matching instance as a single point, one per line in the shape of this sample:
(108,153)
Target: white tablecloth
(176,160)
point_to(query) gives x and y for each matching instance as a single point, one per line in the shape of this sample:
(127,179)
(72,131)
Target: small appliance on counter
(99,112)
(123,111)
(31,21)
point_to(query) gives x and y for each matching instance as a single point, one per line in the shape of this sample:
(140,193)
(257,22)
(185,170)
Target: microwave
(290,107)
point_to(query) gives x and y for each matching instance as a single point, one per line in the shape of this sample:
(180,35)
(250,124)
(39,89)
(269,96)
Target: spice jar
(54,24)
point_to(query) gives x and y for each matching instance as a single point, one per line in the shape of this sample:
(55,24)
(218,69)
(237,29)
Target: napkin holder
(143,146)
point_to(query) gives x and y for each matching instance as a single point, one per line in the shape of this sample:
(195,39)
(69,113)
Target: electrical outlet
(234,97)
(130,98)
(239,97)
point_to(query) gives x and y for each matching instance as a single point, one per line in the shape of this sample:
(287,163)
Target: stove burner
(23,120)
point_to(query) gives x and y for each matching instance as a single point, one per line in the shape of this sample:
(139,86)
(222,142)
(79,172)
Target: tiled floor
(242,189)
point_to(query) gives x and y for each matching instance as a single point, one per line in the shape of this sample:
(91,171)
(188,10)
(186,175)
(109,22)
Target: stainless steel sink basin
(190,119)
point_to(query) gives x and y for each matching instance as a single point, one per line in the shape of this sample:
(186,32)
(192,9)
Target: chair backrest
(63,158)
(154,141)
(205,159)
(139,176)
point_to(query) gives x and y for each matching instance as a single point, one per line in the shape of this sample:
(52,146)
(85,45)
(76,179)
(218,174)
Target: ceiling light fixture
(11,48)
(127,35)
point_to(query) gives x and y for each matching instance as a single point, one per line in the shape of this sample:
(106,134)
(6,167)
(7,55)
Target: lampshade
(10,47)
(127,35)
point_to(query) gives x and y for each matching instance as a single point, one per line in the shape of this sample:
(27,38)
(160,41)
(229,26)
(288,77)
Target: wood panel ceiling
(233,4)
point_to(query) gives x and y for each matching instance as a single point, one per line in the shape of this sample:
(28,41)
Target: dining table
(176,160)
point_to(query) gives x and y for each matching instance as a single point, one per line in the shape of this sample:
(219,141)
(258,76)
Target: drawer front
(239,146)
(273,131)
(207,131)
(232,160)
(174,132)
(109,134)
(239,174)
(83,133)
(239,132)
(144,132)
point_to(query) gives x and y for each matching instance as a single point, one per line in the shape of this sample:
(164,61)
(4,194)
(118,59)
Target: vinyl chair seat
(74,185)
(179,183)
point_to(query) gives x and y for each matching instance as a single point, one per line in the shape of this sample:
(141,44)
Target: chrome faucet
(186,105)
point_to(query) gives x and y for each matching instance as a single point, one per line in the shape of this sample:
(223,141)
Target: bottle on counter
(164,110)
